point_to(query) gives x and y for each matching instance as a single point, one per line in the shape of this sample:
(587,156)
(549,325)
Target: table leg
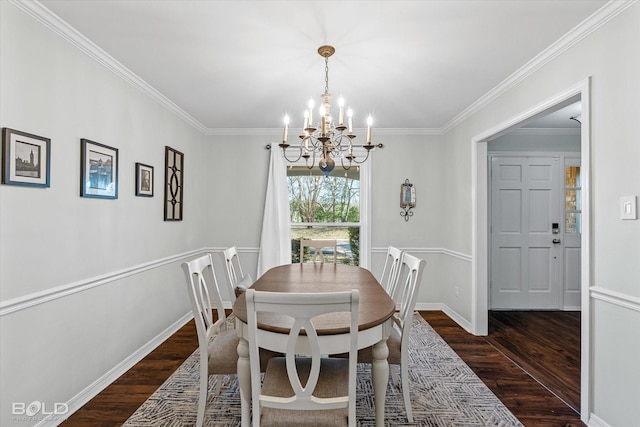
(244,381)
(380,374)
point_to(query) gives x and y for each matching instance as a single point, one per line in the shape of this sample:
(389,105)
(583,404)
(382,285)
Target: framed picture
(173,184)
(98,170)
(26,159)
(144,180)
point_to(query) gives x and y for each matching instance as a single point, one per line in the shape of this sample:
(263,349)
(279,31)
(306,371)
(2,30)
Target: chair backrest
(409,281)
(201,278)
(238,281)
(318,245)
(389,278)
(302,340)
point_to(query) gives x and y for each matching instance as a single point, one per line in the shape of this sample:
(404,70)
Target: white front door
(526,211)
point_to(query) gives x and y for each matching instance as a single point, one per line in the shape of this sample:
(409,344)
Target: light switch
(628,207)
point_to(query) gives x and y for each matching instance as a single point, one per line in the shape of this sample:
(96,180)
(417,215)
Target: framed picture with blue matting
(98,170)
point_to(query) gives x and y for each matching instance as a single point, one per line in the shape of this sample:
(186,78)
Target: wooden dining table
(374,320)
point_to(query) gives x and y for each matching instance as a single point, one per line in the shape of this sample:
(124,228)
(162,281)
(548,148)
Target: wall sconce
(407,199)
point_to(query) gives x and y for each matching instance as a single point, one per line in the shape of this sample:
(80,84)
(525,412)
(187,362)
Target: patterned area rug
(444,392)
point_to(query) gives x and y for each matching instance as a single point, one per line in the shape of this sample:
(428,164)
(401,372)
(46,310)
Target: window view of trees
(325,208)
(320,199)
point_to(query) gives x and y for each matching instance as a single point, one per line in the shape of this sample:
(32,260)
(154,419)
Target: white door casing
(480,214)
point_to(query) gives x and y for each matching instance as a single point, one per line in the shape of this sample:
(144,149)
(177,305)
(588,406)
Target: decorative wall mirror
(407,199)
(173,186)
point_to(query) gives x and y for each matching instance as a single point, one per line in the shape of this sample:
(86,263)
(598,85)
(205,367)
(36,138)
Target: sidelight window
(573,200)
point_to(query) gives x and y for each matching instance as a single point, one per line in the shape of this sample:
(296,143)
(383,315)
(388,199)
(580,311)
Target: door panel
(509,280)
(539,211)
(525,264)
(510,215)
(538,269)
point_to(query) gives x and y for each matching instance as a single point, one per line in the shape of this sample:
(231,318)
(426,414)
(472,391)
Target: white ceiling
(244,64)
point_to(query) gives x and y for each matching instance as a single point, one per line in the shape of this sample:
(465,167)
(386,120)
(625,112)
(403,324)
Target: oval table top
(375,304)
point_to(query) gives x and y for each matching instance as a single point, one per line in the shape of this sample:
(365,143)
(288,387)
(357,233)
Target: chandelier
(326,138)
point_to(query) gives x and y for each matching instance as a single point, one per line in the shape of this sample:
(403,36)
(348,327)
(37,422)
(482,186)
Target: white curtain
(275,239)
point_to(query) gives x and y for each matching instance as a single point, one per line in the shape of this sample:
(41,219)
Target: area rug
(444,392)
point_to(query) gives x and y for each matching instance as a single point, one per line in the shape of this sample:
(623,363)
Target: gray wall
(531,141)
(611,57)
(85,283)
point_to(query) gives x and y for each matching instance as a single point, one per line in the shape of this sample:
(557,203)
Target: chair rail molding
(31,300)
(432,251)
(618,299)
(37,298)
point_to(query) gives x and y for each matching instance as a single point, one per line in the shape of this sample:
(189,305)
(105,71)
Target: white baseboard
(461,321)
(595,421)
(107,379)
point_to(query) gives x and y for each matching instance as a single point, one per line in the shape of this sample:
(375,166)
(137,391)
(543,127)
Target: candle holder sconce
(407,199)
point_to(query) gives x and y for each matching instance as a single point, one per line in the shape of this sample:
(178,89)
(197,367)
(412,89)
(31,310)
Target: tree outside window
(325,208)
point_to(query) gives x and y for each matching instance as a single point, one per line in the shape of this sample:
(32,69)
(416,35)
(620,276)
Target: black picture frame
(173,184)
(26,159)
(144,180)
(98,170)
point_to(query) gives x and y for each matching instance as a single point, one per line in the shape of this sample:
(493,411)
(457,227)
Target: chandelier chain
(326,75)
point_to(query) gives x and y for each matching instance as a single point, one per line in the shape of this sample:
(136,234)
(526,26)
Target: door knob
(556,241)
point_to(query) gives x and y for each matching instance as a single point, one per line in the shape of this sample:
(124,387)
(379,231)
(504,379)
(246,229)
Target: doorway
(534,212)
(480,226)
(535,224)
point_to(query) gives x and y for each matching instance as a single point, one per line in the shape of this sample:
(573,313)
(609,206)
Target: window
(573,199)
(326,208)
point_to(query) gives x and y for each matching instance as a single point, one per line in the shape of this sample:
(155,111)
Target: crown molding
(406,131)
(278,131)
(582,30)
(52,21)
(546,131)
(243,131)
(60,27)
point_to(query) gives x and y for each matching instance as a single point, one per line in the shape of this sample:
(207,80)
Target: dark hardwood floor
(526,398)
(546,344)
(531,402)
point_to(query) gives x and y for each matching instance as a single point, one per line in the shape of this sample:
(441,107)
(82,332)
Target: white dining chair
(409,281)
(389,278)
(303,388)
(238,281)
(318,245)
(217,343)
